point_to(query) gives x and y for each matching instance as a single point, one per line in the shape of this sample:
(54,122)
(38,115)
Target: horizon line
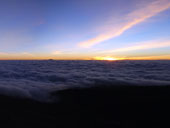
(74,59)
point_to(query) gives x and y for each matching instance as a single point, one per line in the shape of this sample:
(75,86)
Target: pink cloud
(135,17)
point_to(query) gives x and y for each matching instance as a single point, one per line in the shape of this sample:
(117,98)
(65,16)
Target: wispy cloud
(141,46)
(26,54)
(3,53)
(133,18)
(21,55)
(144,46)
(56,52)
(156,57)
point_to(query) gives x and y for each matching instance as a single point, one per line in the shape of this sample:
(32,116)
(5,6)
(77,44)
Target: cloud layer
(37,79)
(135,17)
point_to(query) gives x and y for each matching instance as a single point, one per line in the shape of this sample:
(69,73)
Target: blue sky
(84,29)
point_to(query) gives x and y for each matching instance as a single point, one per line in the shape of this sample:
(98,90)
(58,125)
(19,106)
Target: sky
(85,29)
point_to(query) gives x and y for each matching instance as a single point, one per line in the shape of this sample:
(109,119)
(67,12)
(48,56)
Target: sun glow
(109,58)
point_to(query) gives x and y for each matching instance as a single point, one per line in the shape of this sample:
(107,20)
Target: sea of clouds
(37,79)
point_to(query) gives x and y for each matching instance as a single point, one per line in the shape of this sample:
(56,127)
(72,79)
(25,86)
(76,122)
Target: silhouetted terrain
(97,107)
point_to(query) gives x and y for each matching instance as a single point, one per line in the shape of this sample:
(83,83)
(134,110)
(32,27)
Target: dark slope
(97,107)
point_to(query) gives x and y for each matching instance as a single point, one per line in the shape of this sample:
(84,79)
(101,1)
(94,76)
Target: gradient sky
(84,29)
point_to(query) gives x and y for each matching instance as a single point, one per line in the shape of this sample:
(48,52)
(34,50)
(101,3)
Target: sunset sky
(85,29)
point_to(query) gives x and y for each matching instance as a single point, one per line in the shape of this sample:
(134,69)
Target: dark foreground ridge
(96,107)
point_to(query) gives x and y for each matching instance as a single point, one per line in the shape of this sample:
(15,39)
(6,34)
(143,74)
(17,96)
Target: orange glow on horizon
(32,56)
(109,58)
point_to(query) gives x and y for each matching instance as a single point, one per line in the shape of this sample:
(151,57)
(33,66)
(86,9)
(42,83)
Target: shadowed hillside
(96,107)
